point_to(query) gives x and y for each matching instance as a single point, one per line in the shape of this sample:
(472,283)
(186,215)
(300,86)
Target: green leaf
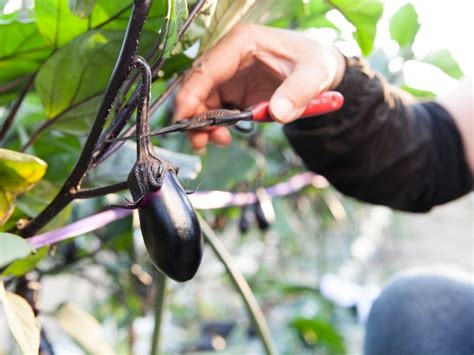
(316,331)
(13,247)
(78,71)
(177,14)
(59,152)
(81,8)
(57,24)
(21,321)
(444,60)
(83,328)
(364,15)
(21,50)
(20,267)
(404,25)
(223,168)
(70,83)
(18,173)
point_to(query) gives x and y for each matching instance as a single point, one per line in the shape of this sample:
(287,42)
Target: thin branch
(100,191)
(13,84)
(192,15)
(16,106)
(166,94)
(241,286)
(160,289)
(121,71)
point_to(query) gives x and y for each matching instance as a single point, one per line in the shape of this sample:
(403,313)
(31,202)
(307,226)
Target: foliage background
(317,234)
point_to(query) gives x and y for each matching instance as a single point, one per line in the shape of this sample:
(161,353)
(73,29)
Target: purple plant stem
(79,227)
(202,200)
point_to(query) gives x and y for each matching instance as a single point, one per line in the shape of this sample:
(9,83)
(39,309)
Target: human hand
(253,63)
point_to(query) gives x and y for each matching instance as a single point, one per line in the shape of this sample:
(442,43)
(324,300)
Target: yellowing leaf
(21,321)
(220,17)
(83,328)
(18,173)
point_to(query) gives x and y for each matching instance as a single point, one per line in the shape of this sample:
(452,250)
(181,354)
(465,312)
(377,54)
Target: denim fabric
(424,314)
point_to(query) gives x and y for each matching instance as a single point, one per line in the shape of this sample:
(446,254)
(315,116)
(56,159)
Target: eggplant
(171,230)
(264,211)
(169,224)
(245,220)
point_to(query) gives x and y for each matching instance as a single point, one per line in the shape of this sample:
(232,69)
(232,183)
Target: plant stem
(241,286)
(121,71)
(159,300)
(16,106)
(101,191)
(144,147)
(12,84)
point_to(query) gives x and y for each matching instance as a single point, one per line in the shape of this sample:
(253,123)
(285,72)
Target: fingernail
(282,109)
(200,151)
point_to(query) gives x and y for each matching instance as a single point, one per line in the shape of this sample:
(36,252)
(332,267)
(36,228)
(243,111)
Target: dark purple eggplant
(264,212)
(246,218)
(171,230)
(169,224)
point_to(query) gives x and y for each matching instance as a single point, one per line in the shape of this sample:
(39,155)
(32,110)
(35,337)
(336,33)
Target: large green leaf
(21,321)
(13,247)
(444,60)
(21,50)
(70,83)
(18,173)
(364,15)
(78,71)
(404,25)
(59,25)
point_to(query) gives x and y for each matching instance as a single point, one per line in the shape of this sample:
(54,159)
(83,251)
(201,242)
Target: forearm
(384,148)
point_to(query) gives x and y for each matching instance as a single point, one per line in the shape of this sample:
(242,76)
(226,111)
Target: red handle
(328,101)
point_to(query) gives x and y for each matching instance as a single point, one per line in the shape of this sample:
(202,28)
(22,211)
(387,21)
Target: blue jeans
(423,314)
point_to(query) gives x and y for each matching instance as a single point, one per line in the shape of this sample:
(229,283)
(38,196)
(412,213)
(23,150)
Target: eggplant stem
(144,147)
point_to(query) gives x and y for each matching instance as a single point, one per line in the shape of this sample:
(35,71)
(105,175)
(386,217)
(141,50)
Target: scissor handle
(328,101)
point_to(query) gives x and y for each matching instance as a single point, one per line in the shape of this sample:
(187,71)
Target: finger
(304,83)
(218,65)
(221,136)
(199,139)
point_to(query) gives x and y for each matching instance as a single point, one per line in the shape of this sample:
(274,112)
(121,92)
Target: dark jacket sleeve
(383,147)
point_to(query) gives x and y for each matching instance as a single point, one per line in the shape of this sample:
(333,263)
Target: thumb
(294,94)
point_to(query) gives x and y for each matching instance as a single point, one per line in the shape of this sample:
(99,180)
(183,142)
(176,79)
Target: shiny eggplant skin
(171,230)
(264,214)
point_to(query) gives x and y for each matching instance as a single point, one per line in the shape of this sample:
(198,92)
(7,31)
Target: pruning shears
(327,102)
